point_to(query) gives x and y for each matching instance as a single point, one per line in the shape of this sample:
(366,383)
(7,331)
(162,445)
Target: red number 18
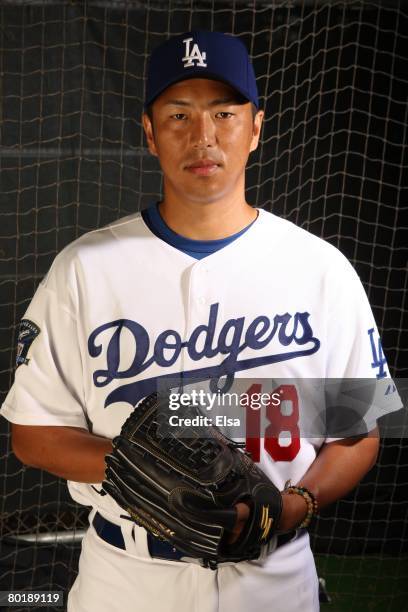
(279,423)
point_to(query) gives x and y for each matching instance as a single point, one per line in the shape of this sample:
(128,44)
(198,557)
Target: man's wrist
(294,510)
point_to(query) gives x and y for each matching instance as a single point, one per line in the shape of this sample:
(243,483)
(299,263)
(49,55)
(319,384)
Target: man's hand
(293,512)
(337,469)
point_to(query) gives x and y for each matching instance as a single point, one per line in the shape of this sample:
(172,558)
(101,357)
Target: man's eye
(224,115)
(179,116)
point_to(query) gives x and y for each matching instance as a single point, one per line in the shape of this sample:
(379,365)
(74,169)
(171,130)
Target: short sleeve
(351,326)
(48,385)
(354,349)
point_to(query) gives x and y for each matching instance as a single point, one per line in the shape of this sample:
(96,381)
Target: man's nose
(203,131)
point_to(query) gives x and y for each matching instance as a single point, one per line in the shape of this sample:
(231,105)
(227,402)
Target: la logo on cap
(194,55)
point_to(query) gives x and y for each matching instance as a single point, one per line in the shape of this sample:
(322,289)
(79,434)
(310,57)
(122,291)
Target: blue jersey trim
(195,248)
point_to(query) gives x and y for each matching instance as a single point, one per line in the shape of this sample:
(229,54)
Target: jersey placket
(198,298)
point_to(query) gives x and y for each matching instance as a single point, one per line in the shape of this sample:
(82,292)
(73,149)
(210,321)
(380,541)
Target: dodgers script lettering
(289,336)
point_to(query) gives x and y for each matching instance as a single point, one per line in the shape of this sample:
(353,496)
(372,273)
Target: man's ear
(148,129)
(256,129)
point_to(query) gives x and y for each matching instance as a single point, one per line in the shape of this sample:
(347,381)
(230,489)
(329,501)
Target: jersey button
(201,300)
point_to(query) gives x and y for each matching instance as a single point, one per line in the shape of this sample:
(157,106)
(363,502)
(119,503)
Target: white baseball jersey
(121,311)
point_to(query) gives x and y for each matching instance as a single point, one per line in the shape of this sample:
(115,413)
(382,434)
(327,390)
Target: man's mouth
(203,167)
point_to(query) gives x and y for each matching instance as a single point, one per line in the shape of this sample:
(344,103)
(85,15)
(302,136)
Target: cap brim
(199,74)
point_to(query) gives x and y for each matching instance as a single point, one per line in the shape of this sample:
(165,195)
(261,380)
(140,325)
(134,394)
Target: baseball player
(200,284)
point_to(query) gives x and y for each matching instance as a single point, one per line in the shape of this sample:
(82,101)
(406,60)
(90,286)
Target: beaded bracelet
(310,500)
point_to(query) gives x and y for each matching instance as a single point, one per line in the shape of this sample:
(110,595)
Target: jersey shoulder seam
(111,226)
(137,216)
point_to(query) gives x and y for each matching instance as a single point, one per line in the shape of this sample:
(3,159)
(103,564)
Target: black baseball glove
(182,484)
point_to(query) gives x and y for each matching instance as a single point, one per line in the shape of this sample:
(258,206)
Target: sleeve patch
(27,334)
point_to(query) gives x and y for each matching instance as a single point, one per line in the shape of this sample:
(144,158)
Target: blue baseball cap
(201,54)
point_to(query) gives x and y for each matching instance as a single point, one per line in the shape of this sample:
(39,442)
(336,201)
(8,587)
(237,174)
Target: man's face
(202,136)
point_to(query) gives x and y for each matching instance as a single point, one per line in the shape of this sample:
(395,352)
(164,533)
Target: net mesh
(332,158)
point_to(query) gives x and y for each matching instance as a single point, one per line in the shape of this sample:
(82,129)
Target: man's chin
(206,190)
(200,189)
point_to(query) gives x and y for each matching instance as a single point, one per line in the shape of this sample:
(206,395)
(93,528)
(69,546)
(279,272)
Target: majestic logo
(193,55)
(287,336)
